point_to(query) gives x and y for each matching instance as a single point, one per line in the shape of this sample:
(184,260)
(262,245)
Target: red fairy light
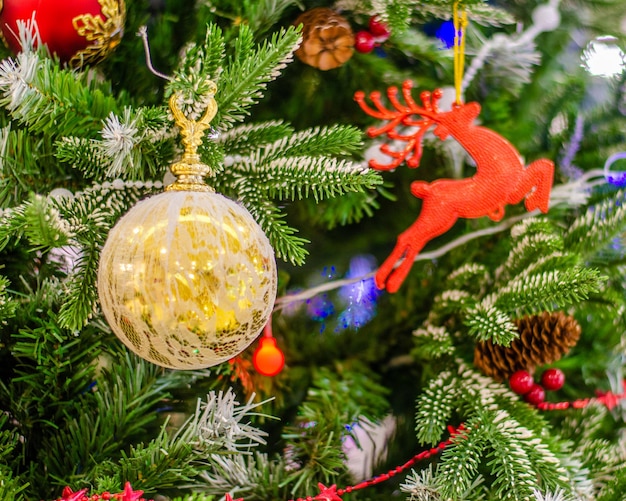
(268,359)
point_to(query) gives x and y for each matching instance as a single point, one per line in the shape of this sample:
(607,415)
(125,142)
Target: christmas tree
(480,358)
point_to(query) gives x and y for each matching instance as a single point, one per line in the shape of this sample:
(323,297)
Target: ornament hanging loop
(190,171)
(460,25)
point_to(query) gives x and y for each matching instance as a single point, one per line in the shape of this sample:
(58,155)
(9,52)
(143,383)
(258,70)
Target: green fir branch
(81,291)
(319,452)
(526,252)
(295,178)
(11,488)
(254,476)
(201,63)
(8,306)
(470,275)
(547,291)
(451,301)
(434,407)
(356,392)
(460,461)
(432,342)
(118,413)
(12,225)
(47,99)
(63,361)
(82,154)
(24,160)
(327,141)
(194,496)
(490,323)
(282,237)
(616,487)
(597,227)
(261,15)
(511,468)
(531,227)
(245,139)
(45,228)
(133,146)
(513,444)
(165,462)
(245,78)
(346,209)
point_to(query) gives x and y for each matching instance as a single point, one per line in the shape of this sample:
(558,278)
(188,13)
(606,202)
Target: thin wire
(284,301)
(143,33)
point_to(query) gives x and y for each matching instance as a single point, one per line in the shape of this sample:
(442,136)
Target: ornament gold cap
(190,171)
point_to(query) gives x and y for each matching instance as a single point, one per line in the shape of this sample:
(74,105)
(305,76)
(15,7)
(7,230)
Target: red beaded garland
(553,379)
(364,42)
(536,395)
(521,382)
(379,29)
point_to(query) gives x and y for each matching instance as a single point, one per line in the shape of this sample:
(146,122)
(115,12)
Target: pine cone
(543,339)
(327,38)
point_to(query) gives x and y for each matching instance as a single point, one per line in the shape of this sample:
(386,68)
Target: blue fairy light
(445,33)
(320,307)
(360,296)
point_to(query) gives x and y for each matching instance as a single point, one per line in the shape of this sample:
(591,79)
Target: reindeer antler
(401,116)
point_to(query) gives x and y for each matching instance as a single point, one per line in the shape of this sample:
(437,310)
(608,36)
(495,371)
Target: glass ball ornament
(187,279)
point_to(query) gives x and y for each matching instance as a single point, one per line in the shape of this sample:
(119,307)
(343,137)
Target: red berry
(553,379)
(536,395)
(364,42)
(379,29)
(521,382)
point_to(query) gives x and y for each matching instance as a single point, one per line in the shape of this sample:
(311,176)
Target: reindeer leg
(389,278)
(542,173)
(431,223)
(534,184)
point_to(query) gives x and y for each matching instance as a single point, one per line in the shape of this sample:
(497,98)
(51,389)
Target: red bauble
(521,382)
(79,32)
(268,359)
(553,379)
(379,29)
(364,42)
(536,395)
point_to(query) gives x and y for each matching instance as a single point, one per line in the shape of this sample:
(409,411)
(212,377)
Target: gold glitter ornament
(187,278)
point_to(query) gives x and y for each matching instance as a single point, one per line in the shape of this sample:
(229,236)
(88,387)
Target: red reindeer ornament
(501,177)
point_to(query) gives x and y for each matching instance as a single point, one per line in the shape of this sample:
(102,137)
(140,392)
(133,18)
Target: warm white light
(603,57)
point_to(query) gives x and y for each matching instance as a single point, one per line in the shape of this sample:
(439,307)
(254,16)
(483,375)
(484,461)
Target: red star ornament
(228,497)
(69,495)
(130,495)
(501,177)
(609,399)
(327,493)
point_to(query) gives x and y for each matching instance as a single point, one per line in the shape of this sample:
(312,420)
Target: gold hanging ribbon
(460,23)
